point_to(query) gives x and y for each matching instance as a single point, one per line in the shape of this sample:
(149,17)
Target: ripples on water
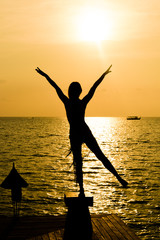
(39,146)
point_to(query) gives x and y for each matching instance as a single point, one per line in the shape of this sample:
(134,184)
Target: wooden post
(78,221)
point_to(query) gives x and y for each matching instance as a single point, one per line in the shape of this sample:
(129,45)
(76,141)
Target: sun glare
(94,25)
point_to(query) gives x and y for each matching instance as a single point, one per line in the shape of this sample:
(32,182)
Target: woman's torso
(75,110)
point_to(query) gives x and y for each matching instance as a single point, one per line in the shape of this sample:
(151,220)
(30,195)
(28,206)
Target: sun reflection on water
(39,147)
(109,138)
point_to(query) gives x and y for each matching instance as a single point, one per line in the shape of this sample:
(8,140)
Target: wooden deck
(105,227)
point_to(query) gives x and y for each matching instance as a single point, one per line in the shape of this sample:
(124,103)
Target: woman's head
(74,90)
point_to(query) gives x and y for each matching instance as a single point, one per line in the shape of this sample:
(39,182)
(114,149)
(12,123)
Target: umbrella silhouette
(14,182)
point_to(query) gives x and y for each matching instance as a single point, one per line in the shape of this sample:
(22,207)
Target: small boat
(133,118)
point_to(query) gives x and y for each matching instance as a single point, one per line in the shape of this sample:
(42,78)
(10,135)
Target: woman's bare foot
(123,182)
(81,194)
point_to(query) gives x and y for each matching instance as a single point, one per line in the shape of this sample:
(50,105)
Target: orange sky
(77,41)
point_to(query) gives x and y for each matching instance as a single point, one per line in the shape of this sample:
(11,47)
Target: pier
(78,224)
(105,226)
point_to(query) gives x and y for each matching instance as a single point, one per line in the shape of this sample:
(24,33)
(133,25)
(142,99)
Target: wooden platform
(72,198)
(105,227)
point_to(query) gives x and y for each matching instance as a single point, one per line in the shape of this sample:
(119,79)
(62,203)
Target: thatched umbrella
(14,182)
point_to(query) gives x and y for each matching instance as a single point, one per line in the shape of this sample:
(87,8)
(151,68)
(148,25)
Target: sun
(94,25)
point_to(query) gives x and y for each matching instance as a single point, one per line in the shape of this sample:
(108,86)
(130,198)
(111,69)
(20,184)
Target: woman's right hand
(41,72)
(108,70)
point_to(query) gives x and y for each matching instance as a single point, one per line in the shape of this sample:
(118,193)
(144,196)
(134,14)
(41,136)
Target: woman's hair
(74,90)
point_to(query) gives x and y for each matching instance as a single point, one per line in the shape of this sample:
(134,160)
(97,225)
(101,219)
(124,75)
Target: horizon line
(85,116)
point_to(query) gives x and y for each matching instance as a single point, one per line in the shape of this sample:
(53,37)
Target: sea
(38,146)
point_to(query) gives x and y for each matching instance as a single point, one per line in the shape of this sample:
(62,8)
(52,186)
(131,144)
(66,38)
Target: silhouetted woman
(79,131)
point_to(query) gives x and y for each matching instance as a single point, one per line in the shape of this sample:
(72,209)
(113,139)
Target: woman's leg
(94,147)
(77,161)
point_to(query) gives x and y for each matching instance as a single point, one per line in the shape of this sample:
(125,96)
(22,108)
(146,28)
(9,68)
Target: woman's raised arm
(53,84)
(91,92)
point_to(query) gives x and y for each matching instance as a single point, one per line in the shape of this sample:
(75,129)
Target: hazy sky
(77,41)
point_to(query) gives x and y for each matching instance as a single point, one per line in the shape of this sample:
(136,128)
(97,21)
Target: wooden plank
(113,225)
(28,227)
(118,224)
(106,226)
(96,230)
(59,235)
(94,236)
(125,228)
(45,236)
(103,232)
(52,236)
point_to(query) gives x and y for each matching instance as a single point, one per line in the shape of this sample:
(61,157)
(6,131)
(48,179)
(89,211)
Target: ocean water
(39,146)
